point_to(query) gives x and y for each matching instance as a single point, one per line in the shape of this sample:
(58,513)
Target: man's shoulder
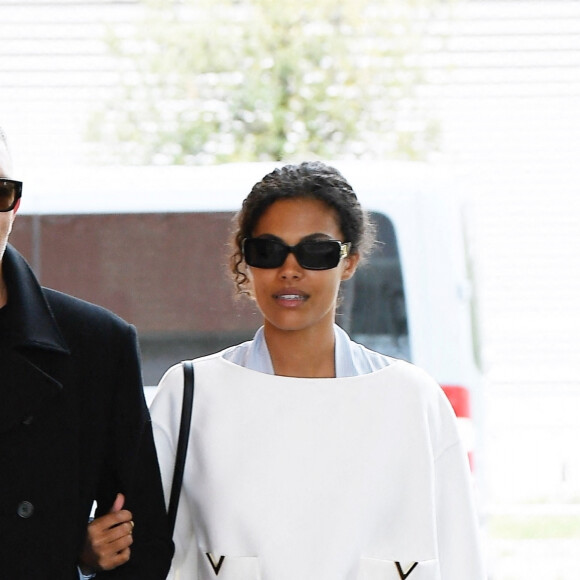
(68,308)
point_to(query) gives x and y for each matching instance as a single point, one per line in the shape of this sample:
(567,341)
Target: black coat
(74,428)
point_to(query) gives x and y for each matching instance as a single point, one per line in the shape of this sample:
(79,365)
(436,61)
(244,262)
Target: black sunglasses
(311,255)
(10,193)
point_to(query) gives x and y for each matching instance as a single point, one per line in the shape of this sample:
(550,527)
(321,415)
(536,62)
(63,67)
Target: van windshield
(373,309)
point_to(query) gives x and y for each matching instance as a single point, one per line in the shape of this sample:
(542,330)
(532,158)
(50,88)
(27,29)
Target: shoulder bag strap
(181,453)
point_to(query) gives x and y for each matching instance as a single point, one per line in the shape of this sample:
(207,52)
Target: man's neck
(3,291)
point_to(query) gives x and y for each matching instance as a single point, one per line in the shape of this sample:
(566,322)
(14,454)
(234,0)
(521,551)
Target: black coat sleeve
(133,469)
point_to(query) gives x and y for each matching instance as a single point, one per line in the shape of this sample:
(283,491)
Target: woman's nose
(291,268)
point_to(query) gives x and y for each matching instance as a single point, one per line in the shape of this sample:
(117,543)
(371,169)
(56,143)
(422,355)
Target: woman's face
(291,297)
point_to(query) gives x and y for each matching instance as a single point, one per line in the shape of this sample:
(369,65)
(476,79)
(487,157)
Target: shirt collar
(258,357)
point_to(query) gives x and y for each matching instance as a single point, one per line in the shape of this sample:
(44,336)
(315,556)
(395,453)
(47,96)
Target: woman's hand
(108,540)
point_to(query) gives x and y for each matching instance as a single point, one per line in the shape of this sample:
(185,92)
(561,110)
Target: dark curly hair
(310,179)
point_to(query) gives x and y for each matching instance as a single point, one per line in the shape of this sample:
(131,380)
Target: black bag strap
(181,453)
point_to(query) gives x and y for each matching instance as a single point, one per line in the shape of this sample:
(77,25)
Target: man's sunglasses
(311,255)
(10,193)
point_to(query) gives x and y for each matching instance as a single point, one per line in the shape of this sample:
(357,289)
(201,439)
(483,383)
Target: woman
(312,457)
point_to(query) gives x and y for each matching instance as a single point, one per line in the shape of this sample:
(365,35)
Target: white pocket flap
(213,566)
(376,569)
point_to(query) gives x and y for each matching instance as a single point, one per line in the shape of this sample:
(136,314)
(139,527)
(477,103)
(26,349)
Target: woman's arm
(166,416)
(459,542)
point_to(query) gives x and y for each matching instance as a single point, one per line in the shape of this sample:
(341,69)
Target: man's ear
(16,207)
(351,263)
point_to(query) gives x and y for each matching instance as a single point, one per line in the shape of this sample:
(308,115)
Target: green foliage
(208,81)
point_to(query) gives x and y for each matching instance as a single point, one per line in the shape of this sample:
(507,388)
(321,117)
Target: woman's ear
(350,265)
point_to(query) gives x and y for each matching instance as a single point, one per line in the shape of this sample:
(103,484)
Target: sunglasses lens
(9,194)
(322,255)
(261,253)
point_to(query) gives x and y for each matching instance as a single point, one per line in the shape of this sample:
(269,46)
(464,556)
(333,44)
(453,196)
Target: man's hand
(108,540)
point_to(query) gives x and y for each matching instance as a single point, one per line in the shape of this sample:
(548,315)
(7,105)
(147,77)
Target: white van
(412,299)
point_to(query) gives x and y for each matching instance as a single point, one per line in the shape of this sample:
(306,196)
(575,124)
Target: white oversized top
(354,478)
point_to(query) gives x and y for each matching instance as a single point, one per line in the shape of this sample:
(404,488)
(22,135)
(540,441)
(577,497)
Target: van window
(373,307)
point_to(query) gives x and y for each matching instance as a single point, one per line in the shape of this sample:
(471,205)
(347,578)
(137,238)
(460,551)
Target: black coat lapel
(32,321)
(25,390)
(33,343)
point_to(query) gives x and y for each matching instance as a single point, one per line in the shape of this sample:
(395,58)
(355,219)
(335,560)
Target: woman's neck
(301,353)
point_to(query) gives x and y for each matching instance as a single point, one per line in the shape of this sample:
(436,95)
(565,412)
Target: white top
(354,478)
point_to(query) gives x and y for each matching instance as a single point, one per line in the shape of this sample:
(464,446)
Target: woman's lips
(290,298)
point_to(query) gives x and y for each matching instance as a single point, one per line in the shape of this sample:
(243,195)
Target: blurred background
(487,89)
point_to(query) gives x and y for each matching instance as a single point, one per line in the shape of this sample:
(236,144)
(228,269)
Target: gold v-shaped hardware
(403,575)
(216,566)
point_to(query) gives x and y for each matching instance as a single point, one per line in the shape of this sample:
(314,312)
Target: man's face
(6,217)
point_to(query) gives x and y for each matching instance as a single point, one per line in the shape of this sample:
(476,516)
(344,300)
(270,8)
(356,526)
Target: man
(74,429)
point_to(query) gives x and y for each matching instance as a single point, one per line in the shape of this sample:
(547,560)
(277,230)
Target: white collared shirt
(351,359)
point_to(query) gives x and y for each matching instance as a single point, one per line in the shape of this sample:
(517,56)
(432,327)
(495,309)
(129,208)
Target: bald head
(6,217)
(5,160)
